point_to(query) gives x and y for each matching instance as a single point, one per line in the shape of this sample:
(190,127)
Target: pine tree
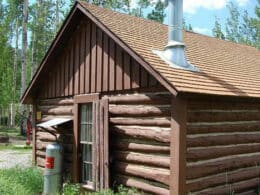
(255,24)
(217,30)
(158,13)
(139,10)
(232,24)
(24,46)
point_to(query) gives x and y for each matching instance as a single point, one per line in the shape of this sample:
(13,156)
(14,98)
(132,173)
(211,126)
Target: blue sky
(201,13)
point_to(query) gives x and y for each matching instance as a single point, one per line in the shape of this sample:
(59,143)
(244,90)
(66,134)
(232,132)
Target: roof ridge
(121,13)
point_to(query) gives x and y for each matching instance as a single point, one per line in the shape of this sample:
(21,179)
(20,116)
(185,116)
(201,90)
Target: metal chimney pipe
(175,20)
(174,52)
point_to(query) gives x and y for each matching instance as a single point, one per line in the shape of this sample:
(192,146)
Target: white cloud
(242,3)
(191,6)
(202,30)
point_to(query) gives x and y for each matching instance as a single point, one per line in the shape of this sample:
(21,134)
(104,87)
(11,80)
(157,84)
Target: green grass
(11,132)
(23,148)
(74,189)
(17,181)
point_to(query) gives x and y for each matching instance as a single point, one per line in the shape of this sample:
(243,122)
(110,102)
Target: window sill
(87,187)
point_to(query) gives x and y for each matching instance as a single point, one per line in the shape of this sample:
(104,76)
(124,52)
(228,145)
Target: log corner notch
(178,146)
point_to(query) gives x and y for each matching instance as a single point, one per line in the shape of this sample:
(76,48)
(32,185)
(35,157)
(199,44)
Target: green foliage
(240,27)
(71,189)
(217,30)
(16,181)
(232,24)
(121,190)
(158,14)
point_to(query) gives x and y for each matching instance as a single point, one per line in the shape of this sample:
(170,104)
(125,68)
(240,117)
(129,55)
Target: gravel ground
(12,158)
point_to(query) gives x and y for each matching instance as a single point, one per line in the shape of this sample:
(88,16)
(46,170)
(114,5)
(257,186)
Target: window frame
(77,164)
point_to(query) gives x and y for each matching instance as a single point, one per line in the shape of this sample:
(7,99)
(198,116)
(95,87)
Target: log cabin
(131,115)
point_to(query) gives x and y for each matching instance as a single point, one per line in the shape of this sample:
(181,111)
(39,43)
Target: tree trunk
(24,45)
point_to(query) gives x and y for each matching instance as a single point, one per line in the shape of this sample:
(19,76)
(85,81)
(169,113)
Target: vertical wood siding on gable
(92,62)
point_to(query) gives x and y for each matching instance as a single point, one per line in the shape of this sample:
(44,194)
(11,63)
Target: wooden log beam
(216,127)
(42,146)
(57,101)
(50,117)
(223,178)
(67,156)
(234,188)
(224,139)
(222,105)
(134,111)
(178,146)
(62,110)
(156,98)
(152,160)
(40,161)
(132,182)
(151,173)
(130,146)
(44,136)
(221,165)
(164,122)
(221,116)
(195,154)
(158,134)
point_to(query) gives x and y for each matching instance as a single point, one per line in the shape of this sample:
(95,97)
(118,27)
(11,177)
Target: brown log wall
(53,108)
(92,62)
(223,147)
(140,141)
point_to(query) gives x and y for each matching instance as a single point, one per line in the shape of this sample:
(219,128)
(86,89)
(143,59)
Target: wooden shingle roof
(225,68)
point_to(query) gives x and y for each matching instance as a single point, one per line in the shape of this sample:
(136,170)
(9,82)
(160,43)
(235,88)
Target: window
(86,142)
(91,144)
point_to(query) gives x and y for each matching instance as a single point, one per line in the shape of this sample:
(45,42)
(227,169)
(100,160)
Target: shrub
(71,189)
(16,181)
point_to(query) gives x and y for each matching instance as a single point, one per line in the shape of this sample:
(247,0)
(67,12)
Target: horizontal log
(61,110)
(223,139)
(44,136)
(233,188)
(39,129)
(122,145)
(132,111)
(58,101)
(156,98)
(41,163)
(139,158)
(159,175)
(222,179)
(196,154)
(220,116)
(66,157)
(42,146)
(249,192)
(222,105)
(158,134)
(219,127)
(132,182)
(61,138)
(221,165)
(50,117)
(164,122)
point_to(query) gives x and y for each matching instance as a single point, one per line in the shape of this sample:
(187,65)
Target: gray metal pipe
(175,20)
